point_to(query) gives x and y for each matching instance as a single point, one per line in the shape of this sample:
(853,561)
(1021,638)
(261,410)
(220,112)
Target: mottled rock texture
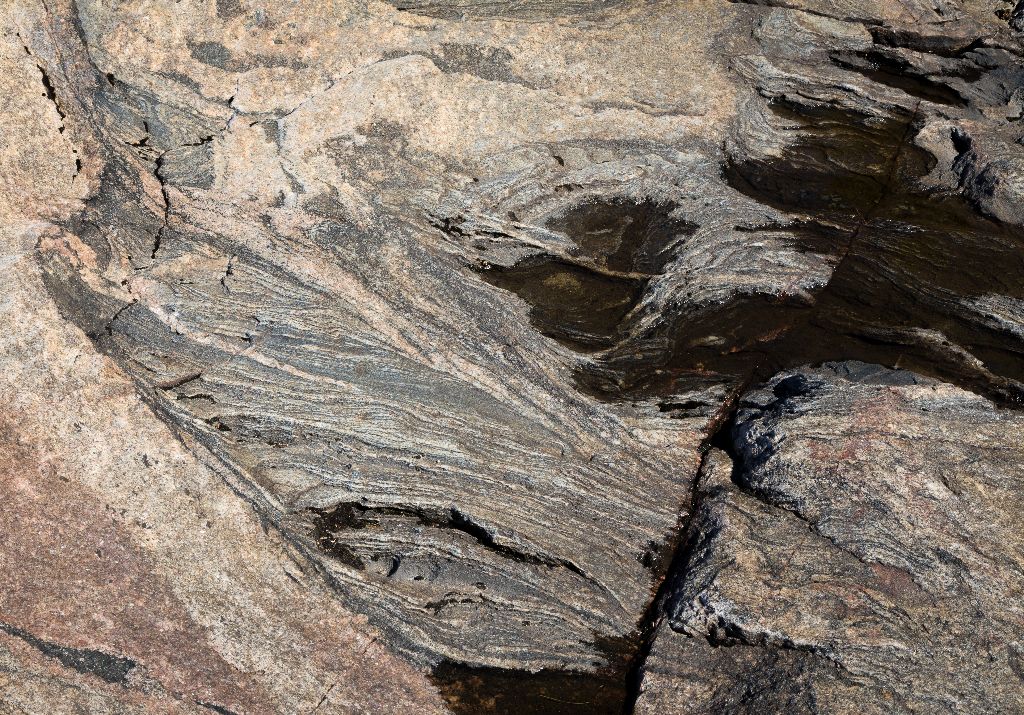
(425,354)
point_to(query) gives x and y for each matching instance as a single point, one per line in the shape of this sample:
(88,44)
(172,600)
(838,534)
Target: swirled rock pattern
(365,356)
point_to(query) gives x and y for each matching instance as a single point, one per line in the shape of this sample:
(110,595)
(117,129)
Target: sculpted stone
(604,354)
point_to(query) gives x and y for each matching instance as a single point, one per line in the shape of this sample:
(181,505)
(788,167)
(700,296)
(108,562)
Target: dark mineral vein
(111,668)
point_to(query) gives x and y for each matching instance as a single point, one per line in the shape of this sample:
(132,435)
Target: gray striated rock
(867,543)
(454,297)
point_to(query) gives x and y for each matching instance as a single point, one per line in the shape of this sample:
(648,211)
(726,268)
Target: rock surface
(369,356)
(865,544)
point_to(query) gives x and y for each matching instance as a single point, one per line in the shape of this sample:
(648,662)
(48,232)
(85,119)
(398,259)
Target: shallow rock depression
(540,357)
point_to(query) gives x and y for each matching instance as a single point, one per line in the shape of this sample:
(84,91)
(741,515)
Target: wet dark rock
(584,300)
(471,691)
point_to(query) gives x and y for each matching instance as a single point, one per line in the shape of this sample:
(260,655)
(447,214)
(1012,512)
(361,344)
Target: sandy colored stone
(368,356)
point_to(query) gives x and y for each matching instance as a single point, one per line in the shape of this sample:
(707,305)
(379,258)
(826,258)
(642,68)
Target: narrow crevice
(108,327)
(727,634)
(329,524)
(150,153)
(158,165)
(49,92)
(681,547)
(229,272)
(178,381)
(655,613)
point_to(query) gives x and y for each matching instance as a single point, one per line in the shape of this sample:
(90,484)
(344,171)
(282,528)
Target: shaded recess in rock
(493,691)
(584,302)
(328,525)
(578,306)
(895,72)
(906,260)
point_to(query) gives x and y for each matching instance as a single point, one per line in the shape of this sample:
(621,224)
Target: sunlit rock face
(861,521)
(465,301)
